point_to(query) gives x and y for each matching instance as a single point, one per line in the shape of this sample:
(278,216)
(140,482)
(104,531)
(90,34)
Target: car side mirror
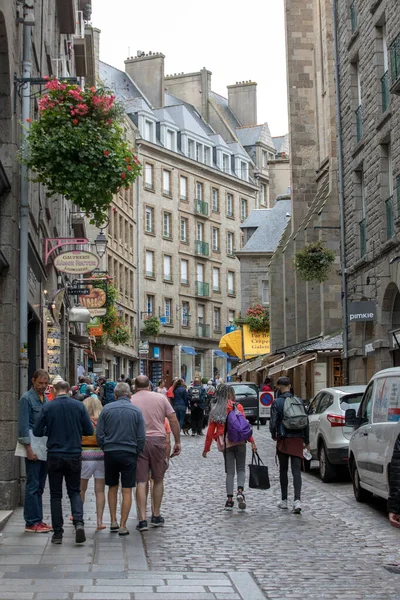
(350,417)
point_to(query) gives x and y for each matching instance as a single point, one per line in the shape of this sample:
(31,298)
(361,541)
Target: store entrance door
(156,371)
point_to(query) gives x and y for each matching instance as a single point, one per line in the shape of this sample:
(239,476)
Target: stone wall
(371,168)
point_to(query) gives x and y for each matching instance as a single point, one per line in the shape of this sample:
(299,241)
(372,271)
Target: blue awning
(221,354)
(188,350)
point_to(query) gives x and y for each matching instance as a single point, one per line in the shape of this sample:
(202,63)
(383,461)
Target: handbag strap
(256,460)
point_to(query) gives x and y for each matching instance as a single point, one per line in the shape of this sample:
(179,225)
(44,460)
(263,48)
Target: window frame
(230,213)
(167,232)
(165,191)
(183,280)
(150,274)
(149,210)
(185,221)
(213,205)
(167,277)
(148,168)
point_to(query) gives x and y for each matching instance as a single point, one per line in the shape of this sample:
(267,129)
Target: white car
(329,437)
(376,427)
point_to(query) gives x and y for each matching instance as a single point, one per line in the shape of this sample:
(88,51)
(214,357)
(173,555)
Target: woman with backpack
(223,428)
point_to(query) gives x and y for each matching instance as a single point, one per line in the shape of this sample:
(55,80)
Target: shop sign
(97,331)
(156,352)
(144,347)
(362,311)
(95,301)
(255,342)
(75,291)
(76,262)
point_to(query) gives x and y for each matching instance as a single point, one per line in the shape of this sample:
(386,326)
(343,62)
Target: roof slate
(269,232)
(223,107)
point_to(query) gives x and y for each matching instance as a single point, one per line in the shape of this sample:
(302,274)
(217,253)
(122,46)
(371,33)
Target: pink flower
(129,168)
(75,94)
(106,153)
(75,121)
(123,175)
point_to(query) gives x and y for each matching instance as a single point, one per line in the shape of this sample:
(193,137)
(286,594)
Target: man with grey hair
(121,435)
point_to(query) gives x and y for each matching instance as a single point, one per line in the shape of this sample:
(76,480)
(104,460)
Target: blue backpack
(237,427)
(109,388)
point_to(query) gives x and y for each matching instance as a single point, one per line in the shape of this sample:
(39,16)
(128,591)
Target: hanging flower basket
(114,328)
(256,317)
(314,262)
(78,149)
(151,326)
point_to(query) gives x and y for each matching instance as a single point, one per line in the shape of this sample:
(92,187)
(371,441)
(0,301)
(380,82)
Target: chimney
(147,71)
(242,100)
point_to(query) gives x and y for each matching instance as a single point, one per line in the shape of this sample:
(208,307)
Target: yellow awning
(231,343)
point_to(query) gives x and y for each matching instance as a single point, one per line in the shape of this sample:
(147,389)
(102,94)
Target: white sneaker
(296,507)
(282,504)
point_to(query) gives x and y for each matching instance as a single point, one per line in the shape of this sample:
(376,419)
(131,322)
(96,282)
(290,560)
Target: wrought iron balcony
(202,248)
(202,289)
(394,53)
(385,91)
(203,330)
(359,123)
(202,208)
(363,237)
(389,218)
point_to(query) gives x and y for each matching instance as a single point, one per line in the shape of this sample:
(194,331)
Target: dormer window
(199,152)
(226,163)
(244,170)
(148,130)
(190,148)
(207,155)
(170,139)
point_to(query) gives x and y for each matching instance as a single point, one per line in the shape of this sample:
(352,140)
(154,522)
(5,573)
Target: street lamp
(101,244)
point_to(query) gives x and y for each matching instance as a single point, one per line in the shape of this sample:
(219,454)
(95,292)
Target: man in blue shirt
(64,421)
(30,407)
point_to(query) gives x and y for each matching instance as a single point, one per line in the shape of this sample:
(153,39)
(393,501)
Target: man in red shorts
(155,409)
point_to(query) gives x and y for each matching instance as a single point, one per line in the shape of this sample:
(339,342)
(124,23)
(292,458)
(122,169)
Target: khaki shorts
(153,458)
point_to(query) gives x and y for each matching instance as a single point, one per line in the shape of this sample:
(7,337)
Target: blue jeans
(69,467)
(180,414)
(36,473)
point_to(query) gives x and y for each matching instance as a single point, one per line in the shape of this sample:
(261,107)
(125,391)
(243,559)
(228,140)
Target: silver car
(329,437)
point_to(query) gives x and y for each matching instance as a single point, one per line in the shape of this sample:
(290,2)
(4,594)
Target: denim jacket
(30,407)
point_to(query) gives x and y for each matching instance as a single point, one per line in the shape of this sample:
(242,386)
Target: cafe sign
(255,342)
(95,301)
(76,262)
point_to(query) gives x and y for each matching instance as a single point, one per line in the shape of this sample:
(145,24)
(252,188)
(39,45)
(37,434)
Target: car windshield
(244,389)
(351,401)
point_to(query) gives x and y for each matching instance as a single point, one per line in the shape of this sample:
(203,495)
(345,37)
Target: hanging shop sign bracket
(53,244)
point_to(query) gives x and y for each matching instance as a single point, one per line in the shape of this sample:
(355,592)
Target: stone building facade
(57,47)
(369,43)
(303,311)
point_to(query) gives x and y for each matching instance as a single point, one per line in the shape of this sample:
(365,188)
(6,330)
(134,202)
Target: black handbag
(259,478)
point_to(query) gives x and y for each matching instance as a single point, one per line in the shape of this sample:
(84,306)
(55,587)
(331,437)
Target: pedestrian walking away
(120,433)
(30,407)
(289,428)
(197,402)
(180,401)
(234,451)
(155,408)
(93,461)
(64,421)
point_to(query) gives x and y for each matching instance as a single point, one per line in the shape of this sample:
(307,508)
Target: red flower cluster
(255,311)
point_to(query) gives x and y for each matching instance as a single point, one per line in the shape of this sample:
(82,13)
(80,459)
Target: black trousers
(295,463)
(68,467)
(197,419)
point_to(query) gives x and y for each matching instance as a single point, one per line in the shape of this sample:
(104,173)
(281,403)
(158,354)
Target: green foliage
(114,328)
(151,326)
(314,262)
(78,147)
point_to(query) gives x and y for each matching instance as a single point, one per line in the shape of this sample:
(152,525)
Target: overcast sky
(235,40)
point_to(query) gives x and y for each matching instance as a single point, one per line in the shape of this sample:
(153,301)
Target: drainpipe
(24,203)
(341,196)
(139,260)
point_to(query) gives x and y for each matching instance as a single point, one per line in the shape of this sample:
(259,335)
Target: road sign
(266,399)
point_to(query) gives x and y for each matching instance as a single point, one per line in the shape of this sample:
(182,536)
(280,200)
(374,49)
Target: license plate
(248,411)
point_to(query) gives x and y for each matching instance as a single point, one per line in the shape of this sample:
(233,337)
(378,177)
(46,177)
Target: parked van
(376,427)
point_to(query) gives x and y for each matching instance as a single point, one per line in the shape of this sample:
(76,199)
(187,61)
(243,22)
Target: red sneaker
(39,528)
(45,525)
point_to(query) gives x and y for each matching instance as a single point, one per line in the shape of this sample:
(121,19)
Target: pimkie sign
(361,311)
(76,262)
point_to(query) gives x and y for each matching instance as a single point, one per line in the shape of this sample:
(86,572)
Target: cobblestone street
(336,549)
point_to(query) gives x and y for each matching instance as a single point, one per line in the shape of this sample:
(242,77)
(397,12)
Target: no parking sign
(266,399)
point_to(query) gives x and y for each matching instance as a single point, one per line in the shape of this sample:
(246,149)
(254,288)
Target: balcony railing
(359,124)
(394,53)
(202,208)
(389,217)
(184,281)
(353,16)
(363,237)
(202,289)
(385,91)
(150,273)
(203,330)
(202,248)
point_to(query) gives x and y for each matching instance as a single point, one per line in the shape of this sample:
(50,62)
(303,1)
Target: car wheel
(263,421)
(360,494)
(326,470)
